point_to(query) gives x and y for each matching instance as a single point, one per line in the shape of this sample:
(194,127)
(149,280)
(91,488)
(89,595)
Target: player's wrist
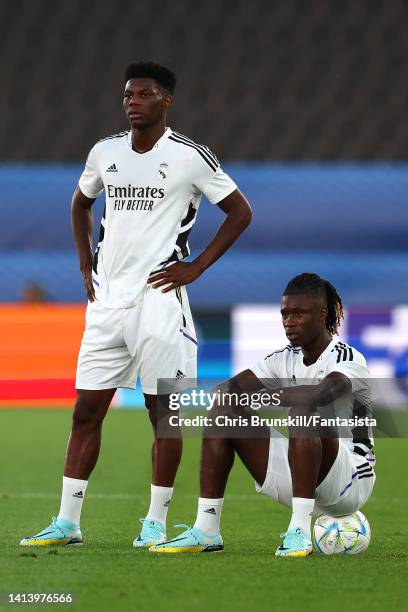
(202,267)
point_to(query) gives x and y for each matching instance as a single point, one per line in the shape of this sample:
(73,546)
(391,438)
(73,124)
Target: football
(347,535)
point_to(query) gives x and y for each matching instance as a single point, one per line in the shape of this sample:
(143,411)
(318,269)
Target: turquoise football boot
(295,544)
(59,533)
(153,532)
(192,540)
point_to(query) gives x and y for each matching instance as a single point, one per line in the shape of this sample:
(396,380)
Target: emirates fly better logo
(131,197)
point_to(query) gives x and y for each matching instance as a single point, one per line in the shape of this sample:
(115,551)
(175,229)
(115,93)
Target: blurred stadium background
(305,104)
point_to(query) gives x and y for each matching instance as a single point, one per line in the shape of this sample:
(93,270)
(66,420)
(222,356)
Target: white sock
(159,503)
(302,510)
(209,515)
(73,493)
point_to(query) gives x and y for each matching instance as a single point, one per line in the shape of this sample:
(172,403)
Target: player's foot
(59,533)
(295,544)
(153,532)
(191,541)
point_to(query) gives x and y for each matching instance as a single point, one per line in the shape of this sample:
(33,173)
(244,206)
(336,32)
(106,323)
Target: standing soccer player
(138,320)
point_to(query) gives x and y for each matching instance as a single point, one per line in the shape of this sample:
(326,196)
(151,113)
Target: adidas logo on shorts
(180,375)
(112,168)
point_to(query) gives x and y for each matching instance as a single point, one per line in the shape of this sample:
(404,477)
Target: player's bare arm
(82,224)
(333,386)
(309,397)
(238,216)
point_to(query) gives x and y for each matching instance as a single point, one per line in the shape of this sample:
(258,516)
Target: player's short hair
(312,284)
(164,77)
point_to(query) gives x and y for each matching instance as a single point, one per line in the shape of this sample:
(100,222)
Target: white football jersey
(285,368)
(152,200)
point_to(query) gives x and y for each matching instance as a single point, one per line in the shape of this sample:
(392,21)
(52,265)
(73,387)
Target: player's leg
(85,438)
(165,351)
(103,364)
(81,457)
(310,457)
(217,458)
(166,451)
(349,483)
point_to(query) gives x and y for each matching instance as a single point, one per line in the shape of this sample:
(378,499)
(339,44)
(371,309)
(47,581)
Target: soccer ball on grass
(347,535)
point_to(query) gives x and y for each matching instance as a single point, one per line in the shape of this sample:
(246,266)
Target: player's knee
(226,400)
(158,409)
(217,394)
(86,413)
(305,423)
(302,411)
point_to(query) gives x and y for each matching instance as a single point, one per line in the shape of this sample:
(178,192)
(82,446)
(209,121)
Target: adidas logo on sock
(78,494)
(167,503)
(180,374)
(112,168)
(210,511)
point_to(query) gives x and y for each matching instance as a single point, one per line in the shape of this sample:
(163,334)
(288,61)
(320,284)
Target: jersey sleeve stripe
(119,135)
(199,151)
(344,352)
(286,348)
(201,146)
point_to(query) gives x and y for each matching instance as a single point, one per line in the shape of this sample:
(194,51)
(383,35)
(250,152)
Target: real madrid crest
(163,171)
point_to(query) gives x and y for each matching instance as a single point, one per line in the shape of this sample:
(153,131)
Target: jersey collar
(327,350)
(323,355)
(156,146)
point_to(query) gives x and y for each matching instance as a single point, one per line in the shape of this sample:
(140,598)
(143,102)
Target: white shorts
(154,339)
(346,488)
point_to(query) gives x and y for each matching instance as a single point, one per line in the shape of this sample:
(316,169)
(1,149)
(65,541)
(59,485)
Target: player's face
(144,102)
(303,317)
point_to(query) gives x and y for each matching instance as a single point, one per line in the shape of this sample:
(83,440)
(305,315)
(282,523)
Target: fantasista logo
(134,198)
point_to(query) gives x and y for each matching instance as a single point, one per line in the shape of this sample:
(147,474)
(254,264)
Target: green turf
(108,574)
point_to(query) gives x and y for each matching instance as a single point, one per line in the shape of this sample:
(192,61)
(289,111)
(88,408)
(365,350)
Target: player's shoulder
(200,151)
(288,351)
(343,352)
(111,140)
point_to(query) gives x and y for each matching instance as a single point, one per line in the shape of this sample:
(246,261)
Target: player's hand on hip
(88,283)
(178,274)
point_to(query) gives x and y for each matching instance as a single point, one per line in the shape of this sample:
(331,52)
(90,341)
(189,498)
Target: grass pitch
(108,574)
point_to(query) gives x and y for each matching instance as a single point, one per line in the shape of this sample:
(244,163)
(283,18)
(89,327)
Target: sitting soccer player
(314,471)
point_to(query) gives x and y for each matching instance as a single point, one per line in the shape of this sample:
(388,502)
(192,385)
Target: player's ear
(167,101)
(323,313)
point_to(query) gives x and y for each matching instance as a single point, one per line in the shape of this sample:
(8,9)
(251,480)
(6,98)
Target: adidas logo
(78,494)
(112,168)
(167,503)
(180,374)
(210,511)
